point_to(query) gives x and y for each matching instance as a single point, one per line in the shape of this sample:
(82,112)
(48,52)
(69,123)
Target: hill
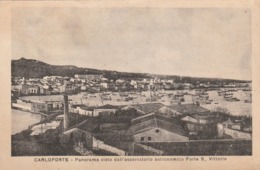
(29,68)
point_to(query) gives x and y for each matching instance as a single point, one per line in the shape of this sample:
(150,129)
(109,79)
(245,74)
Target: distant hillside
(36,69)
(29,68)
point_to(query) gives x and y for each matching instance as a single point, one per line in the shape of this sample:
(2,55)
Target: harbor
(22,120)
(168,97)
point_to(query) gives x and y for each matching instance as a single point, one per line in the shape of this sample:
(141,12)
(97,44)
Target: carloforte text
(51,159)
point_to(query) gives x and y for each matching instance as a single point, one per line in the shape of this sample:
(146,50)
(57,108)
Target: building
(54,105)
(80,133)
(44,89)
(39,107)
(105,110)
(32,106)
(33,89)
(22,104)
(67,88)
(181,109)
(232,124)
(25,89)
(83,88)
(89,77)
(157,128)
(82,109)
(145,108)
(202,125)
(234,130)
(104,85)
(187,109)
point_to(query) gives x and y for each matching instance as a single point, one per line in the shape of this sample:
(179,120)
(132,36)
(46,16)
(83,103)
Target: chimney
(66,110)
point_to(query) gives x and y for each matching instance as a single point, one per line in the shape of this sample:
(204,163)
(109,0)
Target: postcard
(127,84)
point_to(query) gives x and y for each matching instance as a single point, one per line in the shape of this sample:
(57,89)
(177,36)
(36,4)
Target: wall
(161,136)
(203,147)
(206,130)
(39,107)
(83,112)
(189,119)
(194,127)
(98,144)
(147,149)
(96,112)
(57,105)
(220,130)
(24,89)
(108,127)
(75,136)
(169,112)
(23,102)
(21,106)
(237,134)
(33,90)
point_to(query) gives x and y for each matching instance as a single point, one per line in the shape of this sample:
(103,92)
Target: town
(90,114)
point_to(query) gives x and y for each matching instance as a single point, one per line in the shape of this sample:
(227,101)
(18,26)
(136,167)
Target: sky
(206,42)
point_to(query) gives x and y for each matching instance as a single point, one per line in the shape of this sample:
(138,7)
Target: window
(142,138)
(149,138)
(157,131)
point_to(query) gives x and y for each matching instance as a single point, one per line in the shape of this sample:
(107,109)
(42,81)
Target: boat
(249,100)
(85,96)
(129,98)
(233,99)
(92,95)
(106,98)
(106,93)
(124,95)
(228,95)
(247,89)
(207,102)
(221,93)
(232,90)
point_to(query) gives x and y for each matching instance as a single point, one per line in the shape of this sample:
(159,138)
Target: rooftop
(188,108)
(108,106)
(154,120)
(147,107)
(88,125)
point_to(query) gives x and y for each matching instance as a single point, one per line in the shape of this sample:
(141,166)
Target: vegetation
(44,144)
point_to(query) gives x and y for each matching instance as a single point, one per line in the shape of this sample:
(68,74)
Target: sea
(21,120)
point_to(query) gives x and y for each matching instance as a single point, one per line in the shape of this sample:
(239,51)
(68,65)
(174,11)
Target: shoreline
(24,110)
(31,125)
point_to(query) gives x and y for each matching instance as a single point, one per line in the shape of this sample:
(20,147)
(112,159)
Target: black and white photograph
(131,81)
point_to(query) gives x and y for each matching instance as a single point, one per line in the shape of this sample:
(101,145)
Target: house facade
(233,129)
(201,125)
(105,109)
(157,128)
(80,133)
